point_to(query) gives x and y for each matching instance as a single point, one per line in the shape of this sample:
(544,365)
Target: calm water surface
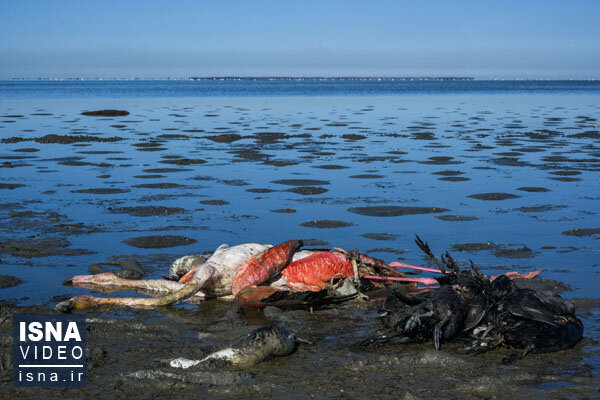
(370,144)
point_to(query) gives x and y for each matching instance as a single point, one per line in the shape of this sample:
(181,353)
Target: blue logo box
(49,350)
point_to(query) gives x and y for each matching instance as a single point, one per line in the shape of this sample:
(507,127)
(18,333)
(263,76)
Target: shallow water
(367,167)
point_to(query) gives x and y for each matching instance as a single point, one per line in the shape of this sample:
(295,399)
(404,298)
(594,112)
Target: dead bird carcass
(256,274)
(253,273)
(484,311)
(259,345)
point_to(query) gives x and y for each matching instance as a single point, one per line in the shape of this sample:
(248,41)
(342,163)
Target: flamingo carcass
(237,271)
(250,272)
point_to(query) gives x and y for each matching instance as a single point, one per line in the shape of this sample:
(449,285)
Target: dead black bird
(533,320)
(486,311)
(443,314)
(434,315)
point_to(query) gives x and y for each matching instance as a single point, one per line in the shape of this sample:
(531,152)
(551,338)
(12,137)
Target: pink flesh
(188,276)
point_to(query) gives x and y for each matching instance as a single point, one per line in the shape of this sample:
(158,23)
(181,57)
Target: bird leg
(82,302)
(424,281)
(108,279)
(437,331)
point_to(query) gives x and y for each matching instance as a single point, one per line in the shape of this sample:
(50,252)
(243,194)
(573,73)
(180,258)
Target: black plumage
(471,306)
(534,320)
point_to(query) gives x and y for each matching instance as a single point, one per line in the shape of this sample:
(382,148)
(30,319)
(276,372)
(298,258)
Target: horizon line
(295,78)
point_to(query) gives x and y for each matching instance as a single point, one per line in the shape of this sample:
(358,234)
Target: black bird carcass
(485,312)
(443,314)
(533,320)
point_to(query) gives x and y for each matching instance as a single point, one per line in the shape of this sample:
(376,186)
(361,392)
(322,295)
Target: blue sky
(158,39)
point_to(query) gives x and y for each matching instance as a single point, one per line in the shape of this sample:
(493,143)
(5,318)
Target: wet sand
(125,349)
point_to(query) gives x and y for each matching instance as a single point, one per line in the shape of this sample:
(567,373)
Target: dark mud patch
(42,223)
(586,135)
(502,251)
(224,138)
(173,136)
(581,232)
(64,139)
(394,211)
(448,173)
(159,241)
(307,190)
(389,250)
(184,161)
(565,173)
(99,152)
(353,136)
(149,176)
(280,163)
(166,170)
(440,160)
(380,236)
(540,208)
(251,155)
(145,145)
(260,190)
(11,186)
(106,113)
(7,281)
(148,211)
(326,223)
(522,252)
(161,185)
(534,189)
(101,191)
(367,176)
(475,246)
(151,148)
(423,135)
(565,179)
(331,166)
(300,182)
(44,247)
(129,268)
(494,196)
(457,218)
(509,162)
(283,210)
(454,179)
(214,202)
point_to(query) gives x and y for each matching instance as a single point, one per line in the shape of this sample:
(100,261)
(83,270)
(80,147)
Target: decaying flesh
(258,346)
(214,277)
(241,268)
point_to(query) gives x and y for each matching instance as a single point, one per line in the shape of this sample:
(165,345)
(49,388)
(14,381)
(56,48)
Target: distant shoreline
(300,79)
(268,78)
